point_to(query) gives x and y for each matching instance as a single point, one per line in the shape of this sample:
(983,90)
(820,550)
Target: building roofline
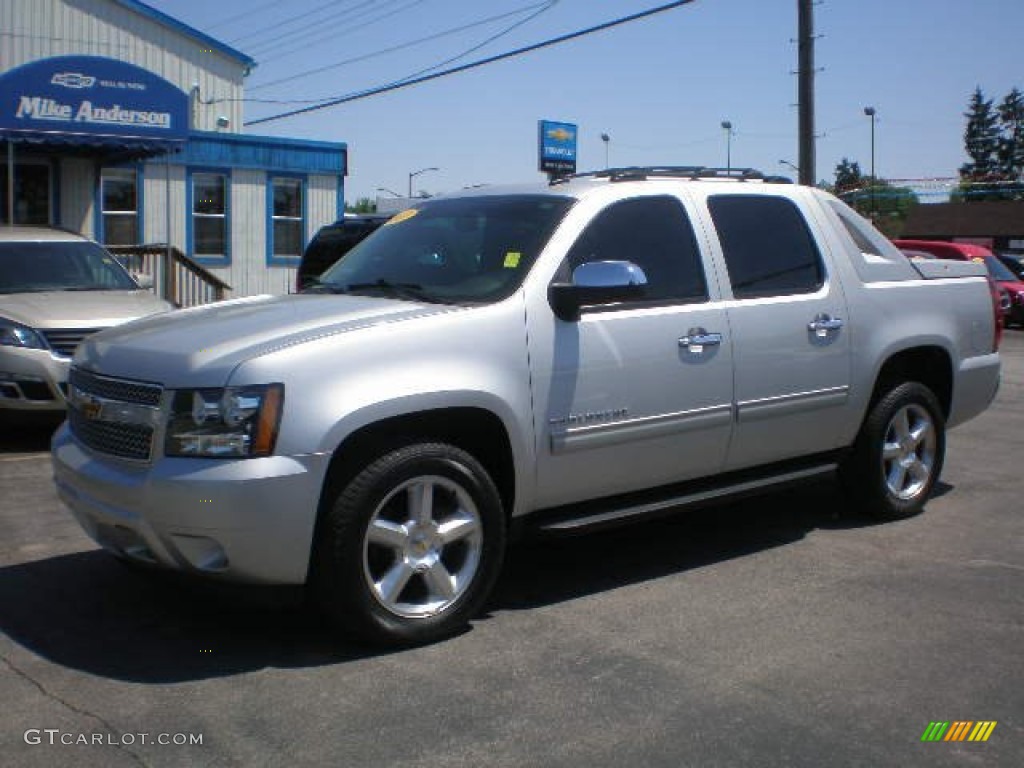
(179,26)
(270,141)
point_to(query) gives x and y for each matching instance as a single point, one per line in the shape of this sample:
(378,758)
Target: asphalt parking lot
(766,633)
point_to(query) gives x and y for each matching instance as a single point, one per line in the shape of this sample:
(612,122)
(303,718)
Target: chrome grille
(97,421)
(127,441)
(115,389)
(64,341)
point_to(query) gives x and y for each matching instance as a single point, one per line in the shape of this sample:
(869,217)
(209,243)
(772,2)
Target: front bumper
(248,520)
(32,380)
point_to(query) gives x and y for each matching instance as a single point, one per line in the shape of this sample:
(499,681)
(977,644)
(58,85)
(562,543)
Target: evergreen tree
(981,139)
(848,176)
(1011,139)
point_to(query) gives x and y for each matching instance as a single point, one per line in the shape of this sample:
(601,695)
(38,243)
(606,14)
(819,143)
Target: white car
(56,288)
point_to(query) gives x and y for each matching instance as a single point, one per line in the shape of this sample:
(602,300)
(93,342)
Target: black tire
(411,547)
(908,418)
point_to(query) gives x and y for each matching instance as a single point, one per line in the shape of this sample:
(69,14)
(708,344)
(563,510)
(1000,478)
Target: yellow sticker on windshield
(398,218)
(512,259)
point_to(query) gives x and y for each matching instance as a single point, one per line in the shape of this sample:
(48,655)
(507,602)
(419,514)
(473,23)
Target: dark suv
(332,242)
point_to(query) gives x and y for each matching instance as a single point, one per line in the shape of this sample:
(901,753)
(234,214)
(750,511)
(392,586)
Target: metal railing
(175,277)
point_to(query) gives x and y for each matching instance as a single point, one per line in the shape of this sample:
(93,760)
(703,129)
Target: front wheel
(412,546)
(898,454)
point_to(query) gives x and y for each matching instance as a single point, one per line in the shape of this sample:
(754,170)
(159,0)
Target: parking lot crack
(68,705)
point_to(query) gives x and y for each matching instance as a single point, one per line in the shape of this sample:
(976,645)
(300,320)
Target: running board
(611,512)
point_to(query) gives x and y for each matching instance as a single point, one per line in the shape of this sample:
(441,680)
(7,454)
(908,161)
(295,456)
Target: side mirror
(145,281)
(596,282)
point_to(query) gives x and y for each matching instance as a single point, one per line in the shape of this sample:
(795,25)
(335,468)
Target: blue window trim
(208,261)
(285,261)
(140,199)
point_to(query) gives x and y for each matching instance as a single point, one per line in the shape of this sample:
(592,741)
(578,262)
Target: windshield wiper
(409,291)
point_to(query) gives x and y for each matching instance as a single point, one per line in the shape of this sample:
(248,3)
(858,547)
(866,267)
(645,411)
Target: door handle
(823,323)
(697,338)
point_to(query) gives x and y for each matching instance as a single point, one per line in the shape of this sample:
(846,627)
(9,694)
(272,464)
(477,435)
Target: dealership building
(124,124)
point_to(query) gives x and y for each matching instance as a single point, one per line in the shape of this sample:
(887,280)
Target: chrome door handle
(824,323)
(698,338)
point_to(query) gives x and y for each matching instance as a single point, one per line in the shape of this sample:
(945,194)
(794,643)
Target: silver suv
(563,357)
(56,289)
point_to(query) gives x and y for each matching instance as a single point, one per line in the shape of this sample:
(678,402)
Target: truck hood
(79,309)
(201,346)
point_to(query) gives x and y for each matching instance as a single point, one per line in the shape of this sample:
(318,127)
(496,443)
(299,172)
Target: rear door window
(768,248)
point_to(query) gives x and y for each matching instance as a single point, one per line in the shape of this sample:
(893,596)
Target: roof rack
(691,172)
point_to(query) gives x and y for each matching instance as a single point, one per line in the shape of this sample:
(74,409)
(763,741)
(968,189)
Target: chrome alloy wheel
(908,451)
(422,547)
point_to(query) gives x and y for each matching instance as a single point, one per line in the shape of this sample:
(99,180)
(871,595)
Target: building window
(286,218)
(209,214)
(120,206)
(32,193)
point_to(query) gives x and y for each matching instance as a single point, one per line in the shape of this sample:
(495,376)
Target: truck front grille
(115,389)
(98,422)
(126,441)
(64,341)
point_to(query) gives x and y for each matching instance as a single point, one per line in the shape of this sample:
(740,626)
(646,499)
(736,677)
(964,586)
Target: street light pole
(417,173)
(870,112)
(789,164)
(389,191)
(728,145)
(606,139)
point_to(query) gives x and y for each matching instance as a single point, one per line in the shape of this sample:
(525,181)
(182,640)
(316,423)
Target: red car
(1000,273)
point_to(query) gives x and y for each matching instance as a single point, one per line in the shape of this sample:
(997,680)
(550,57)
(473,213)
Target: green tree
(848,176)
(981,139)
(363,205)
(886,205)
(1011,140)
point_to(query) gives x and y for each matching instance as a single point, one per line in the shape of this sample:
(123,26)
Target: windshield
(999,271)
(463,250)
(30,267)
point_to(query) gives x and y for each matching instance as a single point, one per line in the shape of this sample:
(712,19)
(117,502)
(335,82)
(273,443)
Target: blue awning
(93,143)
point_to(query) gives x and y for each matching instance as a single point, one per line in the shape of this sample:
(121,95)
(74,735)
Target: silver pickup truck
(557,357)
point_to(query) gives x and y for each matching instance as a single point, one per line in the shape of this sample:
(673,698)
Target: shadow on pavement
(89,612)
(27,433)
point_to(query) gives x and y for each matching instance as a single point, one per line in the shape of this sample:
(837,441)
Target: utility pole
(805,89)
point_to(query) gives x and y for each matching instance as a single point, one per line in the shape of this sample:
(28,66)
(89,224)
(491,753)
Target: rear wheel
(898,455)
(412,546)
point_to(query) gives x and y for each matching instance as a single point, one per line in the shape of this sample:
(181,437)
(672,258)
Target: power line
(382,52)
(243,14)
(550,4)
(273,28)
(303,44)
(473,64)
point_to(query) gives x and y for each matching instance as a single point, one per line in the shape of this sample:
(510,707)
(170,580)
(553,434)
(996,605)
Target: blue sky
(659,87)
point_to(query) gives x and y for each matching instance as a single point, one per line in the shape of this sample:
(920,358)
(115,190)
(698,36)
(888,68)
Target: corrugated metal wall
(38,29)
(154,204)
(248,273)
(77,180)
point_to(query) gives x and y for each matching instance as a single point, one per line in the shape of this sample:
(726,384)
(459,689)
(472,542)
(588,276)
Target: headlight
(14,334)
(237,422)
